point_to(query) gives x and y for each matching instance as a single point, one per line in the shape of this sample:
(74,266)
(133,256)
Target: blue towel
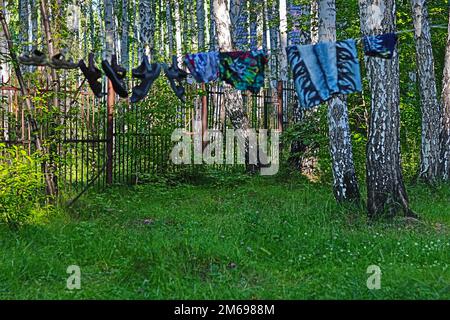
(382,46)
(323,70)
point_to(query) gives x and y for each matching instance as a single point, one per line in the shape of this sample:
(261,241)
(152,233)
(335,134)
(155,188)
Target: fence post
(204,114)
(110,133)
(280,106)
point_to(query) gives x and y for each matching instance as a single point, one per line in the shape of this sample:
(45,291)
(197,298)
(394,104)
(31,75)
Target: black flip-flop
(177,89)
(148,73)
(92,74)
(34,58)
(116,77)
(58,61)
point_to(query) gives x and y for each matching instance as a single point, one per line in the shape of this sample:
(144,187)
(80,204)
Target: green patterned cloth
(243,70)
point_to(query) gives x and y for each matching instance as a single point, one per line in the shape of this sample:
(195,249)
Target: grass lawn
(262,238)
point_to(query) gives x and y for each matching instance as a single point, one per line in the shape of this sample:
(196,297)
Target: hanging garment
(116,74)
(204,66)
(93,75)
(147,73)
(243,70)
(382,46)
(176,76)
(323,70)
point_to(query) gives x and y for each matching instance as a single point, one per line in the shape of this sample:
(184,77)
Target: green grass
(262,238)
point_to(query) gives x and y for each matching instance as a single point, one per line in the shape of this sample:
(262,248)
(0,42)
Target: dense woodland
(396,131)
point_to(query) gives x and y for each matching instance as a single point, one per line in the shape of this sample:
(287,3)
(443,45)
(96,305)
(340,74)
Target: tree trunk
(109,29)
(345,184)
(283,70)
(178,42)
(238,17)
(314,21)
(169,27)
(445,140)
(386,191)
(431,113)
(24,26)
(233,98)
(201,24)
(124,42)
(147,27)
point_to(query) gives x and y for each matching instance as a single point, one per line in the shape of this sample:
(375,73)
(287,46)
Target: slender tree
(147,27)
(233,98)
(445,139)
(431,113)
(177,18)
(345,184)
(201,24)
(386,192)
(124,37)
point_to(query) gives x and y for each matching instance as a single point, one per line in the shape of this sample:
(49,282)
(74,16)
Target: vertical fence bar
(110,134)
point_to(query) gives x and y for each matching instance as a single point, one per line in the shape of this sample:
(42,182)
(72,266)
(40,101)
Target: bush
(22,188)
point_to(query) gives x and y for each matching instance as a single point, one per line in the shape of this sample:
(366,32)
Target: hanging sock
(59,61)
(147,73)
(34,58)
(92,74)
(116,74)
(243,70)
(204,66)
(382,46)
(174,73)
(323,70)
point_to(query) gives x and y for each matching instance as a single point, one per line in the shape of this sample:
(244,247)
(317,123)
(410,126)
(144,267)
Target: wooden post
(204,114)
(110,133)
(280,106)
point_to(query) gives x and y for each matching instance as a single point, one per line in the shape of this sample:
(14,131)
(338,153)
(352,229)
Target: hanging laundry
(243,70)
(147,73)
(116,74)
(323,70)
(204,66)
(382,46)
(93,75)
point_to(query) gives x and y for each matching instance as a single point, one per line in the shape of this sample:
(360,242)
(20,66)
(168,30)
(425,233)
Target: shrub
(22,192)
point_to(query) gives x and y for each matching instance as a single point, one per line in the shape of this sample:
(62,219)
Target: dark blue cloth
(323,70)
(382,46)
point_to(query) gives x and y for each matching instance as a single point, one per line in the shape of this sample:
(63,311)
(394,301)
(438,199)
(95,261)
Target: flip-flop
(148,73)
(175,72)
(58,61)
(34,58)
(177,89)
(92,74)
(115,77)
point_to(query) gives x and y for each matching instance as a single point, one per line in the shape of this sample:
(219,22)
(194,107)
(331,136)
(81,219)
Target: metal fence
(138,146)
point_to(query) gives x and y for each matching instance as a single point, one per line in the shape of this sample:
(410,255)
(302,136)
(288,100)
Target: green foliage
(22,192)
(267,238)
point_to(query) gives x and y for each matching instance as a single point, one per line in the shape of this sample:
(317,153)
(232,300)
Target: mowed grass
(261,238)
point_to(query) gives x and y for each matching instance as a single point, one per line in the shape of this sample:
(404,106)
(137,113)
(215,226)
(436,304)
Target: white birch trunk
(431,113)
(124,39)
(147,27)
(283,70)
(178,41)
(345,184)
(201,24)
(386,192)
(109,29)
(445,141)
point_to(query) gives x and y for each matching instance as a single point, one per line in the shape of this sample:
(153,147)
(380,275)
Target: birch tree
(345,184)
(283,60)
(124,38)
(179,48)
(445,139)
(430,151)
(233,98)
(386,191)
(147,27)
(109,29)
(201,24)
